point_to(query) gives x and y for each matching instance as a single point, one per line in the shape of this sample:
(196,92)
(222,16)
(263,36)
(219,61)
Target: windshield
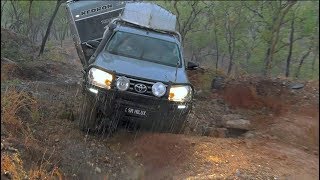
(144,48)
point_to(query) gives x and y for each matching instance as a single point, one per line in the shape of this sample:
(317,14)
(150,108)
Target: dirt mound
(9,71)
(249,96)
(288,114)
(160,151)
(298,130)
(274,94)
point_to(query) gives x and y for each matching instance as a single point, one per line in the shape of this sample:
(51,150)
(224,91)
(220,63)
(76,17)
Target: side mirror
(92,44)
(192,66)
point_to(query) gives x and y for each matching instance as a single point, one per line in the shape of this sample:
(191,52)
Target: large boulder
(235,121)
(217,82)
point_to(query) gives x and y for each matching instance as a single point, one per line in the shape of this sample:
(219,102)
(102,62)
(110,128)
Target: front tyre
(88,113)
(178,125)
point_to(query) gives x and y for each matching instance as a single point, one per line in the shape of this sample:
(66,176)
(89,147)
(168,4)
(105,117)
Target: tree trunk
(2,7)
(16,24)
(222,61)
(316,49)
(217,48)
(230,60)
(248,56)
(54,32)
(231,47)
(290,48)
(301,62)
(44,40)
(275,31)
(30,19)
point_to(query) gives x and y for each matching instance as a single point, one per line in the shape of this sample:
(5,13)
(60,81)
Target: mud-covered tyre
(178,126)
(88,113)
(110,125)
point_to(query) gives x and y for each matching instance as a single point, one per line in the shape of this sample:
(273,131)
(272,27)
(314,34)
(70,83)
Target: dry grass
(12,164)
(14,106)
(40,173)
(9,71)
(18,111)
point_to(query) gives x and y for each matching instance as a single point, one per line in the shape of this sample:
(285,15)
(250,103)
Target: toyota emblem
(140,88)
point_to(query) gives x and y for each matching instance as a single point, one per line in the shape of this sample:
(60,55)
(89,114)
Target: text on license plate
(135,111)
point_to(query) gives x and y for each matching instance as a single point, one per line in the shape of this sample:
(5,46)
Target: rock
(98,170)
(205,131)
(187,131)
(12,149)
(217,82)
(238,124)
(249,144)
(218,132)
(201,130)
(6,175)
(230,117)
(296,86)
(90,164)
(199,92)
(3,130)
(305,148)
(123,170)
(273,137)
(57,140)
(106,159)
(238,173)
(248,135)
(235,121)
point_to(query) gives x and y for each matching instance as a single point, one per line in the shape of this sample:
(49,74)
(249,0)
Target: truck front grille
(136,82)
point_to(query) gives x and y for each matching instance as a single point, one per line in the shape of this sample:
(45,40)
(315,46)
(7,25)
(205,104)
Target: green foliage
(16,17)
(249,25)
(207,28)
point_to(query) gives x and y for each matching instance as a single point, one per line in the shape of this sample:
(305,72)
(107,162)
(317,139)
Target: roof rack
(175,34)
(149,16)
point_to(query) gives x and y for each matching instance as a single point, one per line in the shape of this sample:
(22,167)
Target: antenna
(175,79)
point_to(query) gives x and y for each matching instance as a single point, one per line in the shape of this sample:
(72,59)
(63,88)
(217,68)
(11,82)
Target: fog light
(159,89)
(123,83)
(93,90)
(181,106)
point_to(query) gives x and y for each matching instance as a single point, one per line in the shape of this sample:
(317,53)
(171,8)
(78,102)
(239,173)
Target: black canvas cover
(87,21)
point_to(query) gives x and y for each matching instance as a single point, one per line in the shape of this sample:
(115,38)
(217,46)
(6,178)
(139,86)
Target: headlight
(159,89)
(180,93)
(100,78)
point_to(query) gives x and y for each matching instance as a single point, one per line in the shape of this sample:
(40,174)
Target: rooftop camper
(134,70)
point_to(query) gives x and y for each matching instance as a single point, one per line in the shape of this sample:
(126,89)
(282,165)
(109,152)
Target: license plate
(135,111)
